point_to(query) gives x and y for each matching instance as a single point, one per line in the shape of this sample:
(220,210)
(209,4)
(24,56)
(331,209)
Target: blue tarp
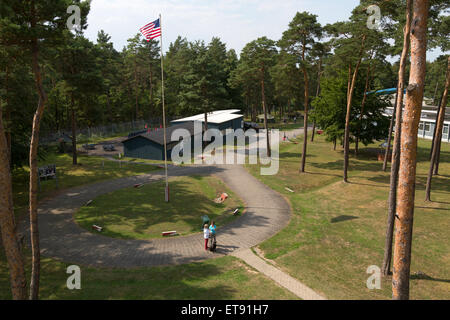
(385,91)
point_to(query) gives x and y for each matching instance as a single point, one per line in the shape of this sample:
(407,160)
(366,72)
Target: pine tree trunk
(7,224)
(366,88)
(34,230)
(305,118)
(8,117)
(263,95)
(305,121)
(434,131)
(74,132)
(395,160)
(438,157)
(438,134)
(317,94)
(389,138)
(408,154)
(347,116)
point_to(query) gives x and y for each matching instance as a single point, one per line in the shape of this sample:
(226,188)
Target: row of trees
(325,71)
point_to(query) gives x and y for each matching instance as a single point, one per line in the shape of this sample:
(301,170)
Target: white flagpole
(164,114)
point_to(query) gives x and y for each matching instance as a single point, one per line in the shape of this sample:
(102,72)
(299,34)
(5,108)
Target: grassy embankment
(337,229)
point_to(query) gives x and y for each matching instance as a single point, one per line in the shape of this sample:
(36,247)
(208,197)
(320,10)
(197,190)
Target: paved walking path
(61,238)
(267,212)
(280,277)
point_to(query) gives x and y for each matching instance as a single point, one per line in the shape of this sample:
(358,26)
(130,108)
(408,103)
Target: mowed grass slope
(337,230)
(221,278)
(88,170)
(142,213)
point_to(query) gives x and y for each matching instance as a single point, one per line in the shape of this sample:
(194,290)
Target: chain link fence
(111,130)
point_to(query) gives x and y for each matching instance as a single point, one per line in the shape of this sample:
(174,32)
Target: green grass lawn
(221,278)
(286,126)
(88,170)
(337,230)
(141,213)
(136,160)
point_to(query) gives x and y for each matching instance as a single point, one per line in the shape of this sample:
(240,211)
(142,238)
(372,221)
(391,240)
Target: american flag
(151,30)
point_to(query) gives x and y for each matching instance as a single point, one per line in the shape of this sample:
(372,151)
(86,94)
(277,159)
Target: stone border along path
(280,277)
(267,212)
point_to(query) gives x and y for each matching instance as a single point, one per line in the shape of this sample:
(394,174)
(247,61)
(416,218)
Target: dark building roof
(158,135)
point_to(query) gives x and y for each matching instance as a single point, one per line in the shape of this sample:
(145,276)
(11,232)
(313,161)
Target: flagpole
(164,114)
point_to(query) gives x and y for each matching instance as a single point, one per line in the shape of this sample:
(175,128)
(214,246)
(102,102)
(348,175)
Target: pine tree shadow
(422,276)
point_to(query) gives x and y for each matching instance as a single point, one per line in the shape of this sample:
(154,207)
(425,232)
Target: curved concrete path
(61,238)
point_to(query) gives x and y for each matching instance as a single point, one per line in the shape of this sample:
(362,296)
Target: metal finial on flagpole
(164,114)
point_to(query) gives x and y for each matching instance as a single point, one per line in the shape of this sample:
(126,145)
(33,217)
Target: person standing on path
(206,233)
(212,230)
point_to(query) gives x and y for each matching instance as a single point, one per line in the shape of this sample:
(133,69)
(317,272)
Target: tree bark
(7,223)
(408,154)
(34,230)
(74,132)
(317,94)
(263,96)
(8,117)
(391,127)
(438,134)
(305,118)
(438,157)
(366,87)
(395,160)
(347,116)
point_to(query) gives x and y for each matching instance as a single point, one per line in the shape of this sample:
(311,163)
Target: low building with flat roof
(220,119)
(150,145)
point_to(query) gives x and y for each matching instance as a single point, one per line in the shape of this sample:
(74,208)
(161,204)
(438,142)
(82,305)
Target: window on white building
(421,126)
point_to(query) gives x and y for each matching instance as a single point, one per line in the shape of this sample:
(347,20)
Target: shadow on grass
(369,185)
(353,165)
(438,183)
(432,208)
(168,282)
(423,276)
(423,155)
(343,218)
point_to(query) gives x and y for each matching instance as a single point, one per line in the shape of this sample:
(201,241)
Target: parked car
(251,125)
(89,146)
(109,147)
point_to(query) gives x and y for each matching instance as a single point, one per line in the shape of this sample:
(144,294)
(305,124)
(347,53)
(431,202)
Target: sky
(235,22)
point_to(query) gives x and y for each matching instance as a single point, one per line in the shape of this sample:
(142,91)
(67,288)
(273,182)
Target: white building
(427,119)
